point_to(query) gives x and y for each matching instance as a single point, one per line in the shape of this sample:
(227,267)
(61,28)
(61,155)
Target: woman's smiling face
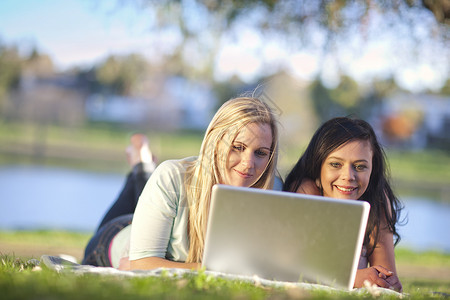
(345,173)
(249,155)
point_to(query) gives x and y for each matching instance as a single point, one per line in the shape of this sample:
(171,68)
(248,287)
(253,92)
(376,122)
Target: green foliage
(347,98)
(322,101)
(445,90)
(12,66)
(336,15)
(384,87)
(344,99)
(346,94)
(227,90)
(119,75)
(10,69)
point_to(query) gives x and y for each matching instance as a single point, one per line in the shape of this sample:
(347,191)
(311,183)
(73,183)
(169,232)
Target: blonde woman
(169,222)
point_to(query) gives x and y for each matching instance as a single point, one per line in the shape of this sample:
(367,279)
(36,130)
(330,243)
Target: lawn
(20,279)
(424,275)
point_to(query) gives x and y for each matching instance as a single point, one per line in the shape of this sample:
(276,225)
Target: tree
(335,15)
(326,27)
(322,102)
(346,94)
(446,89)
(439,8)
(10,71)
(38,64)
(119,75)
(348,98)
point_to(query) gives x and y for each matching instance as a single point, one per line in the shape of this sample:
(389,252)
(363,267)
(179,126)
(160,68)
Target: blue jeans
(97,250)
(118,216)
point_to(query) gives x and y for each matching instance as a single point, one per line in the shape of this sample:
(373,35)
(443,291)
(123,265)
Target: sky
(72,32)
(84,32)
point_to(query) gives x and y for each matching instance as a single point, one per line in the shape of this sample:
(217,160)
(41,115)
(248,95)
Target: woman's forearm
(384,254)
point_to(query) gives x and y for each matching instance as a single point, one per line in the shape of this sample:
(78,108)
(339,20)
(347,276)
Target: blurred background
(78,77)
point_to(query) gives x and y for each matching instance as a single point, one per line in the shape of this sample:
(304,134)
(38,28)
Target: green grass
(426,258)
(19,281)
(424,167)
(45,237)
(421,174)
(426,288)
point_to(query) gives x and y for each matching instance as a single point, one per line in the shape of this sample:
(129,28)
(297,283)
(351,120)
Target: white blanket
(59,264)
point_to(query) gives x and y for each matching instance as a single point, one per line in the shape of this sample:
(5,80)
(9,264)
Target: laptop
(285,236)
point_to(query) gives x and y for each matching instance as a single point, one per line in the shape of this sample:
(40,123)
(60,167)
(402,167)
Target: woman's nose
(348,173)
(248,161)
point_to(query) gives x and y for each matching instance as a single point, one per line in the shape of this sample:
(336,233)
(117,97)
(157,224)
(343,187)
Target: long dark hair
(330,136)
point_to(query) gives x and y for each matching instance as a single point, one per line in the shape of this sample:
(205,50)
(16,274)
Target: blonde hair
(203,173)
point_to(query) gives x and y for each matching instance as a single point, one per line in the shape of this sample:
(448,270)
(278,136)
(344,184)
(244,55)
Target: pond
(38,197)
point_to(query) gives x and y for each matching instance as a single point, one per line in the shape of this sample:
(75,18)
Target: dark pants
(97,250)
(118,216)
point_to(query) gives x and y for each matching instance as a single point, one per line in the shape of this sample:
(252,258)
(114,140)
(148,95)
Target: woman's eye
(261,153)
(238,148)
(335,164)
(360,167)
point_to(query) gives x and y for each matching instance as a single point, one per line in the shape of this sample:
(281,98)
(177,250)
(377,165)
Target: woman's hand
(379,276)
(395,283)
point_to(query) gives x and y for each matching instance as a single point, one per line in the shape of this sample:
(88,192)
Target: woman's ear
(318,184)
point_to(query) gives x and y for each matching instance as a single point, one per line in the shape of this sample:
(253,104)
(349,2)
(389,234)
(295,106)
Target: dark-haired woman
(344,160)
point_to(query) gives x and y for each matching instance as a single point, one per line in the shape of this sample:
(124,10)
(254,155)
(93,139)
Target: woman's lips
(244,175)
(346,189)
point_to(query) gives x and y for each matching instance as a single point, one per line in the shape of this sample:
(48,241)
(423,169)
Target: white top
(120,246)
(160,220)
(161,217)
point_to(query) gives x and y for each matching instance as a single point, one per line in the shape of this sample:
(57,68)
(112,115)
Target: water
(54,198)
(428,226)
